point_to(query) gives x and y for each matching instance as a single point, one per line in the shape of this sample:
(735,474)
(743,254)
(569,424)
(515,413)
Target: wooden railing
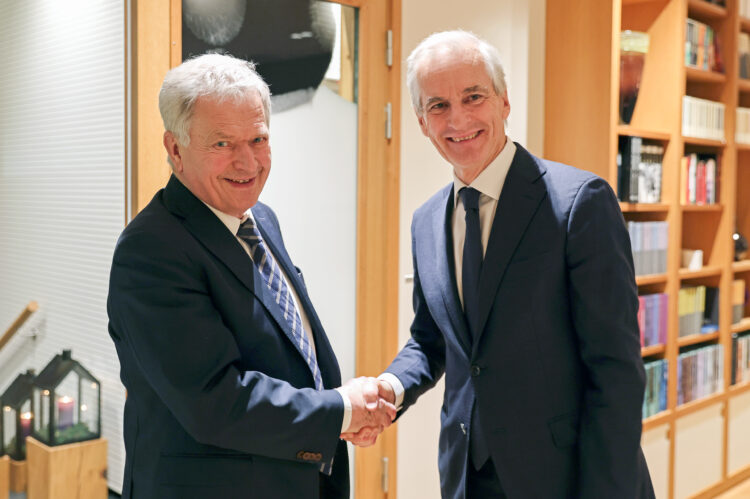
(23,317)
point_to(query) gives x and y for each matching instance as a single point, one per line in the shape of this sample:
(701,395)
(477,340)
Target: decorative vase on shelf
(633,48)
(740,246)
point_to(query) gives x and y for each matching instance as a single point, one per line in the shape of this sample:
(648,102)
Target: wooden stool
(72,471)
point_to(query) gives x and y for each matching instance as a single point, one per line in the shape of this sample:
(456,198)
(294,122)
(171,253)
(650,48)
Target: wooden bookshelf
(704,76)
(582,70)
(697,141)
(644,207)
(743,85)
(704,10)
(702,207)
(642,132)
(697,274)
(653,350)
(643,280)
(743,325)
(695,339)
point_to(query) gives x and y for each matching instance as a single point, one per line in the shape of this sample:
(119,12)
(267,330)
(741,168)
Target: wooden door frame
(157,47)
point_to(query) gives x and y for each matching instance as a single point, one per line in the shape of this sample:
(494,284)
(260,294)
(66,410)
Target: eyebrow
(476,88)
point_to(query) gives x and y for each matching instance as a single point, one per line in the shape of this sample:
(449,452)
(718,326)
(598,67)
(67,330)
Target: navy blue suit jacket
(556,370)
(220,402)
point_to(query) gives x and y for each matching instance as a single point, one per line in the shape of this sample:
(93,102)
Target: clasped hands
(373,411)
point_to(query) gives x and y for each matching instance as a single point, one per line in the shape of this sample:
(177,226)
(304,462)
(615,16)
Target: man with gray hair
(230,375)
(524,296)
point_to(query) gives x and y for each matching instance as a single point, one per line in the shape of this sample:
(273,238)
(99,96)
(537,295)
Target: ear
(506,105)
(422,124)
(173,150)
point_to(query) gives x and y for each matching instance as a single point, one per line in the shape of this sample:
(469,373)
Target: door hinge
(388,121)
(389,48)
(384,481)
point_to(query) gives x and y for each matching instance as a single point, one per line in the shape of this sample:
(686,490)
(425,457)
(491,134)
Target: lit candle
(26,418)
(65,412)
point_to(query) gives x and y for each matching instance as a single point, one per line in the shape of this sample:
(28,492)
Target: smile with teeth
(239,181)
(462,139)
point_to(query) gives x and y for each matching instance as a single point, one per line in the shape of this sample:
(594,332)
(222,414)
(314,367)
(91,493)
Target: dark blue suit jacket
(557,369)
(220,402)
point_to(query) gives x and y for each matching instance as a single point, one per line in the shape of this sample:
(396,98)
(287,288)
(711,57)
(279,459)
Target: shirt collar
(230,221)
(490,181)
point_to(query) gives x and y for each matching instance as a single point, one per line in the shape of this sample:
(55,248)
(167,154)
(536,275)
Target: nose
(459,117)
(243,156)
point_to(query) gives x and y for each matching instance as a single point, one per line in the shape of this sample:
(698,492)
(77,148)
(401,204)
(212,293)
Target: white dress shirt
(489,183)
(233,224)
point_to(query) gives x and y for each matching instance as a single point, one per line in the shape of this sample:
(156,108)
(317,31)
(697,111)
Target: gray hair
(454,42)
(215,76)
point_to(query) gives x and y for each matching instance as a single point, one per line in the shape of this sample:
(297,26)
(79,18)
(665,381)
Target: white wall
(62,194)
(517,30)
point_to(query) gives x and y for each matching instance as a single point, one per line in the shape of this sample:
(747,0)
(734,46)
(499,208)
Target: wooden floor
(741,491)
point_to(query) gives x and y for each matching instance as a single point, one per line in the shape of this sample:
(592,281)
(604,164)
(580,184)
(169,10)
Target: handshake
(373,409)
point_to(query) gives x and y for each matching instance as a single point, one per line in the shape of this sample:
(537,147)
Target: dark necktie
(471,268)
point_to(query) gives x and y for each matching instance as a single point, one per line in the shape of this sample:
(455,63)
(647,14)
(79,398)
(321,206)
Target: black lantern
(18,417)
(67,399)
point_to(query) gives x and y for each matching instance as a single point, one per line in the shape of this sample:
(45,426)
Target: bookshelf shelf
(705,10)
(653,350)
(745,24)
(657,420)
(697,141)
(694,339)
(696,274)
(704,76)
(743,85)
(741,388)
(642,132)
(643,280)
(697,405)
(742,266)
(702,207)
(743,325)
(743,147)
(644,207)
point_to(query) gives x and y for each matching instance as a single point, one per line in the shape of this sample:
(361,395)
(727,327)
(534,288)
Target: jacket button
(475,370)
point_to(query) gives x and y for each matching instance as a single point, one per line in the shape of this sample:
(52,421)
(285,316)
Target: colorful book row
(740,358)
(699,179)
(649,243)
(700,373)
(702,118)
(655,398)
(698,310)
(639,167)
(701,48)
(653,312)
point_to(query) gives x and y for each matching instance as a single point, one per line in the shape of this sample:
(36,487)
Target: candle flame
(27,415)
(66,400)
(84,407)
(45,393)
(7,408)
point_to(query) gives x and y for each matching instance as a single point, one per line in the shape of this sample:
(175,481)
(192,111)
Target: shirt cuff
(398,388)
(347,410)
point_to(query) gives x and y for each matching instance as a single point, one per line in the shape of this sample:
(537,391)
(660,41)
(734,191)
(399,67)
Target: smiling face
(228,159)
(461,113)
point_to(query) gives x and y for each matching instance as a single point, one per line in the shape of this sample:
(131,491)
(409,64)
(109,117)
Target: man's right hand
(371,413)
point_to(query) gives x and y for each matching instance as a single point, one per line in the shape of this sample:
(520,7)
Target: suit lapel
(442,229)
(213,234)
(275,245)
(519,200)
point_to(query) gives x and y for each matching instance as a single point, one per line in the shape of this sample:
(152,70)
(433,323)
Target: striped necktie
(281,293)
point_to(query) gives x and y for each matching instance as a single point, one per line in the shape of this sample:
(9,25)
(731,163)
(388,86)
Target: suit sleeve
(163,317)
(421,362)
(604,306)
